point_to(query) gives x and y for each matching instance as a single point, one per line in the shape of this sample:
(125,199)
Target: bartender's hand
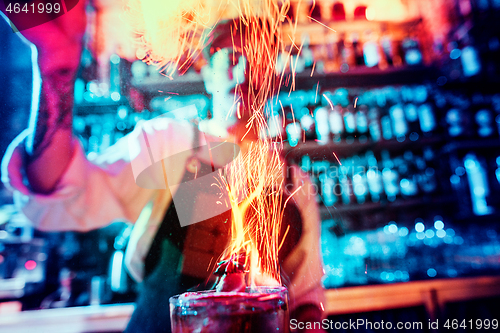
(49,147)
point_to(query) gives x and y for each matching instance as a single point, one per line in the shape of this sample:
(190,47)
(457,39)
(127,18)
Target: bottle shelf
(103,107)
(343,149)
(317,32)
(477,144)
(399,204)
(365,77)
(192,83)
(187,84)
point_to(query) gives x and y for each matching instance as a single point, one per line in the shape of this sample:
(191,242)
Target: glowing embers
(254,185)
(170,34)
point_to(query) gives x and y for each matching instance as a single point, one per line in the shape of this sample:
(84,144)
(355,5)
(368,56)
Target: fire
(170,35)
(254,186)
(255,179)
(168,32)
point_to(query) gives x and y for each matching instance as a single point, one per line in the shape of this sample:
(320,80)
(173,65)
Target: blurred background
(395,115)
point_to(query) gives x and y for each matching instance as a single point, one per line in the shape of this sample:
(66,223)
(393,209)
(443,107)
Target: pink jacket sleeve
(116,185)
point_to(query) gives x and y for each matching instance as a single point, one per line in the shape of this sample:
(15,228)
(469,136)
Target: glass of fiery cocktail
(256,310)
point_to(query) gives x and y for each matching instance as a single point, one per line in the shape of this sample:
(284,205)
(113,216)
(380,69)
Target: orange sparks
(329,101)
(321,23)
(171,34)
(316,96)
(337,158)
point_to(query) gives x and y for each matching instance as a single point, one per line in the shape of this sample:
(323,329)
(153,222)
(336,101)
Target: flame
(171,34)
(255,178)
(254,186)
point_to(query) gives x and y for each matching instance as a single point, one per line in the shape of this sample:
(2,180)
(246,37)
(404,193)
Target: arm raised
(56,48)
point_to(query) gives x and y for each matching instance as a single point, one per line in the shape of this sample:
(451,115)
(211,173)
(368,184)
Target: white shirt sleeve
(116,185)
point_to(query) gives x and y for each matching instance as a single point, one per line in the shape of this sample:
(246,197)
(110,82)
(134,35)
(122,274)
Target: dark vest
(184,258)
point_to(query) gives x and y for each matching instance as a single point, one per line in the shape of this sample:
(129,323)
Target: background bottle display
(478,183)
(434,165)
(374,177)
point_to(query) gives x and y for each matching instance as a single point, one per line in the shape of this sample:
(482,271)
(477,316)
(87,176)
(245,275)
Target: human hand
(49,145)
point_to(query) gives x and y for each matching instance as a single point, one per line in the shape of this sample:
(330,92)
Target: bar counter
(97,318)
(432,294)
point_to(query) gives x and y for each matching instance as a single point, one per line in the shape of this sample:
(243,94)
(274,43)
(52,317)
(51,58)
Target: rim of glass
(260,294)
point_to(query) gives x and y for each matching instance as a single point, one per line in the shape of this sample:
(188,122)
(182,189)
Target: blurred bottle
(322,125)
(485,126)
(411,115)
(114,78)
(357,47)
(493,174)
(305,163)
(362,123)
(497,170)
(371,54)
(459,184)
(308,124)
(306,53)
(374,126)
(319,169)
(428,180)
(275,125)
(407,172)
(390,177)
(336,123)
(95,134)
(411,49)
(374,177)
(387,48)
(359,181)
(293,133)
(79,129)
(349,123)
(471,63)
(345,182)
(328,189)
(108,136)
(121,128)
(427,119)
(139,70)
(485,123)
(60,298)
(88,72)
(385,122)
(341,55)
(399,125)
(349,59)
(457,121)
